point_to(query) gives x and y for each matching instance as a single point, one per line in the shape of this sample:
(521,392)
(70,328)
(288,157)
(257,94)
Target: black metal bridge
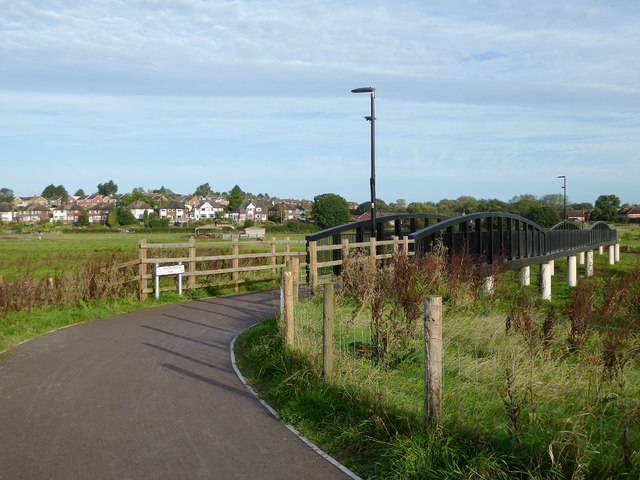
(515,240)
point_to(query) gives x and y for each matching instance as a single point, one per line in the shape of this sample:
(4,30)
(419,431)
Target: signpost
(169,270)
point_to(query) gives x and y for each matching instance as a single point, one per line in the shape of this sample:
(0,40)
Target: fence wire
(532,380)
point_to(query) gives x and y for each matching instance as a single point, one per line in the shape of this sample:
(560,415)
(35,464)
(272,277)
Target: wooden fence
(250,261)
(235,266)
(327,261)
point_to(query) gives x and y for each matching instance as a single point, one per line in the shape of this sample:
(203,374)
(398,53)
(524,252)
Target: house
(205,211)
(33,213)
(633,212)
(219,199)
(250,210)
(579,215)
(301,213)
(282,212)
(191,201)
(6,213)
(98,214)
(89,201)
(19,202)
(67,214)
(37,200)
(138,208)
(173,210)
(55,201)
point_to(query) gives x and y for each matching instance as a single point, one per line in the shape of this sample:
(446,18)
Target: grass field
(542,403)
(54,253)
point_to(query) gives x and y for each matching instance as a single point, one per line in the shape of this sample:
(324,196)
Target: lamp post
(372,120)
(564,188)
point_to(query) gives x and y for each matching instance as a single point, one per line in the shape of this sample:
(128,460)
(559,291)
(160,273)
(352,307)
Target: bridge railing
(490,236)
(325,247)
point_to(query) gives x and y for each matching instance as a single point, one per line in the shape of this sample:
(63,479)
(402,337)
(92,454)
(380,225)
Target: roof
(174,204)
(5,207)
(139,205)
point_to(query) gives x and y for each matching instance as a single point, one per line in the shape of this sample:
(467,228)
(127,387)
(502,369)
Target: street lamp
(372,120)
(564,188)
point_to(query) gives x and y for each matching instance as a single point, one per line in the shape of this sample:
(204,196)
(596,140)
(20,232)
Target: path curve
(149,394)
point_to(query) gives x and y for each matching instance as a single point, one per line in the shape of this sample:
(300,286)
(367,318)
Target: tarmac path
(149,394)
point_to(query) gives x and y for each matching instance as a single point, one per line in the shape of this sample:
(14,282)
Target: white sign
(170,270)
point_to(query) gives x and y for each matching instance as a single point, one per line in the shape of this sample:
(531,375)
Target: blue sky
(484,98)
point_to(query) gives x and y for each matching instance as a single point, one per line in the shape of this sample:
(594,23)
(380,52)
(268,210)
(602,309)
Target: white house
(205,210)
(138,208)
(6,213)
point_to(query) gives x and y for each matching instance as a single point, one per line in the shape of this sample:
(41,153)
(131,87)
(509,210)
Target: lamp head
(363,90)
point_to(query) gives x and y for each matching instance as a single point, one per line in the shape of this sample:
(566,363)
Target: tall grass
(531,389)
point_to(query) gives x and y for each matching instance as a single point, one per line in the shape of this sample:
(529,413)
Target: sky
(490,99)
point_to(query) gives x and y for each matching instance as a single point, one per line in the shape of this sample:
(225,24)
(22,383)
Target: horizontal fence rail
(207,264)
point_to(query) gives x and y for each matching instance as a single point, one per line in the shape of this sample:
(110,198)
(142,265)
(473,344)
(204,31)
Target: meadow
(54,253)
(532,389)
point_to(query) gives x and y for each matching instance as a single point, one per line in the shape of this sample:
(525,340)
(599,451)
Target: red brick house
(32,213)
(174,210)
(98,214)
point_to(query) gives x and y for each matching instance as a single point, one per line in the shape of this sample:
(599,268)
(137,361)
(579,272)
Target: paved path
(145,395)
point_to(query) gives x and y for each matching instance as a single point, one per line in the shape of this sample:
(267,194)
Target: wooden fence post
(288,308)
(313,266)
(234,261)
(142,269)
(372,247)
(327,330)
(273,255)
(296,279)
(405,244)
(396,243)
(345,253)
(432,360)
(191,282)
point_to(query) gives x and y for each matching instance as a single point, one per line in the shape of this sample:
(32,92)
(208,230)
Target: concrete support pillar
(612,255)
(581,258)
(545,281)
(487,286)
(572,271)
(552,266)
(600,250)
(589,267)
(525,276)
(617,252)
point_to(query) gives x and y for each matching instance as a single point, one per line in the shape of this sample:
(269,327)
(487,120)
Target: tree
(447,207)
(108,188)
(83,220)
(125,217)
(492,205)
(546,216)
(6,195)
(467,204)
(399,206)
(167,192)
(330,210)
(134,196)
(381,207)
(422,207)
(79,193)
(52,191)
(606,208)
(203,190)
(235,197)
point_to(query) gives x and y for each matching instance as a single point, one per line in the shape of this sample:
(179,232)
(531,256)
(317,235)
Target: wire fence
(554,383)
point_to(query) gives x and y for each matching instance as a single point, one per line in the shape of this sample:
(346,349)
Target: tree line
(330,210)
